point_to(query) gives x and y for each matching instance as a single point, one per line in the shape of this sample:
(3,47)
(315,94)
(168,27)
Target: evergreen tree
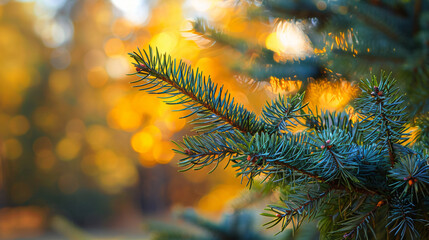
(358,178)
(356,174)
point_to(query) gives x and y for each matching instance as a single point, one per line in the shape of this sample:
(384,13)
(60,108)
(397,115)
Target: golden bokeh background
(77,141)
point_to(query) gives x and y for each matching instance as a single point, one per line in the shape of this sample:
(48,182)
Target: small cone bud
(328,141)
(410,182)
(405,178)
(322,147)
(415,180)
(376,89)
(249,158)
(279,215)
(380,93)
(187,151)
(380,203)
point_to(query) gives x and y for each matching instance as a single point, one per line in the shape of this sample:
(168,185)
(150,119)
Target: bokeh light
(289,41)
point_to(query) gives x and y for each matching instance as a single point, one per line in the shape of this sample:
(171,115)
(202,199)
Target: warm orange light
(216,199)
(142,142)
(283,86)
(113,46)
(19,125)
(45,159)
(59,81)
(13,148)
(162,152)
(122,28)
(331,95)
(68,148)
(165,41)
(97,77)
(124,118)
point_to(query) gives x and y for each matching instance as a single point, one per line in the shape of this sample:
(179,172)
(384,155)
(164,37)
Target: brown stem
(301,171)
(308,202)
(389,142)
(335,159)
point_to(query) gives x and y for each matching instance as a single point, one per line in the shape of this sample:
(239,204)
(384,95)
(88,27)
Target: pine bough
(358,178)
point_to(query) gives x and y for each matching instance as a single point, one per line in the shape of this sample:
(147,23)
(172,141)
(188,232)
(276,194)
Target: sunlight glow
(289,41)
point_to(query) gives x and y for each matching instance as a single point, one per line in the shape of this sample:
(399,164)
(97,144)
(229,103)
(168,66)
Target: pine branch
(330,151)
(305,207)
(403,219)
(363,224)
(204,150)
(214,107)
(411,175)
(383,113)
(283,114)
(358,162)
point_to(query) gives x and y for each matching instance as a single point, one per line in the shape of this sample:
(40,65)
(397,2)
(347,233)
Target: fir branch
(330,155)
(277,152)
(411,177)
(319,121)
(215,108)
(403,219)
(296,212)
(283,114)
(204,150)
(361,223)
(383,113)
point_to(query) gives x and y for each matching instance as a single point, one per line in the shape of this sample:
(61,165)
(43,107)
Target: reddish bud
(328,141)
(376,89)
(249,158)
(279,215)
(380,203)
(140,67)
(329,147)
(322,147)
(405,178)
(410,182)
(380,93)
(415,180)
(187,151)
